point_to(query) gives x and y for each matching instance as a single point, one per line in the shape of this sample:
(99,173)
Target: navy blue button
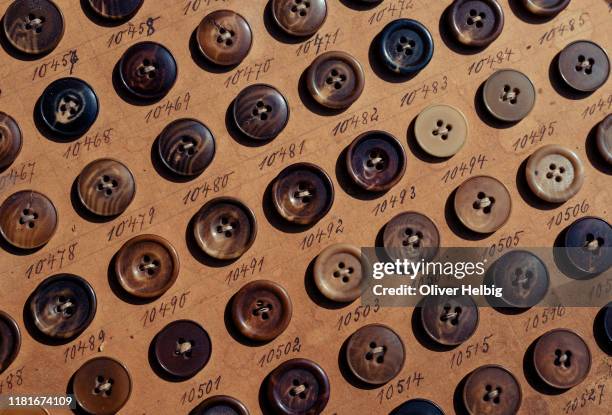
(406,46)
(418,407)
(588,243)
(608,323)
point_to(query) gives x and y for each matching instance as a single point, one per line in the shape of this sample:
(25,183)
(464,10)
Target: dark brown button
(225,228)
(220,405)
(115,9)
(302,193)
(298,386)
(62,306)
(412,236)
(147,71)
(10,340)
(24,410)
(186,147)
(339,272)
(261,310)
(33,27)
(28,219)
(10,140)
(509,95)
(299,17)
(106,187)
(588,245)
(584,65)
(224,37)
(335,80)
(448,320)
(102,386)
(182,349)
(147,266)
(545,7)
(492,390)
(476,23)
(604,139)
(561,358)
(260,112)
(375,354)
(483,204)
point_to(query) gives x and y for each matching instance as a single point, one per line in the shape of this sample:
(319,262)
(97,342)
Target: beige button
(483,204)
(509,95)
(554,173)
(441,130)
(339,272)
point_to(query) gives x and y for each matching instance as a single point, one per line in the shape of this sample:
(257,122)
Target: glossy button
(412,236)
(182,348)
(449,320)
(441,130)
(418,407)
(607,321)
(376,161)
(554,173)
(405,46)
(509,95)
(260,112)
(33,27)
(224,228)
(147,71)
(220,405)
(224,37)
(339,272)
(115,9)
(335,80)
(299,17)
(476,23)
(302,193)
(492,390)
(106,187)
(584,65)
(588,243)
(561,358)
(375,354)
(483,204)
(28,219)
(146,266)
(102,386)
(25,410)
(604,138)
(62,306)
(545,7)
(10,340)
(10,140)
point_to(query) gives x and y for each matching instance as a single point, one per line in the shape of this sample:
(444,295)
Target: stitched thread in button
(299,389)
(376,353)
(594,244)
(184,348)
(300,7)
(103,386)
(106,184)
(405,45)
(70,106)
(484,202)
(493,394)
(226,227)
(28,218)
(476,19)
(187,146)
(148,265)
(304,192)
(442,130)
(225,35)
(563,359)
(451,316)
(522,279)
(585,65)
(147,69)
(413,239)
(34,23)
(262,309)
(510,94)
(65,306)
(344,272)
(376,160)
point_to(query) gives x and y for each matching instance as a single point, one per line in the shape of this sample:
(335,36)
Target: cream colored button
(554,173)
(441,130)
(483,204)
(339,272)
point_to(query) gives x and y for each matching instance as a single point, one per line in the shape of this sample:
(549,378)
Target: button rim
(488,366)
(421,140)
(604,150)
(12,324)
(476,43)
(286,30)
(415,26)
(217,62)
(242,94)
(320,279)
(545,11)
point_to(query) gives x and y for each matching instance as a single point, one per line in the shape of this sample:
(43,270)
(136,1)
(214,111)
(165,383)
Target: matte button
(604,138)
(115,9)
(588,243)
(260,112)
(68,107)
(608,323)
(298,386)
(584,66)
(10,340)
(418,407)
(412,236)
(335,80)
(62,306)
(483,204)
(102,386)
(28,219)
(182,348)
(561,358)
(224,37)
(476,23)
(545,7)
(147,266)
(11,140)
(186,147)
(147,71)
(225,228)
(302,193)
(220,405)
(375,354)
(376,161)
(554,173)
(449,320)
(106,187)
(261,310)
(492,390)
(339,272)
(33,27)
(441,130)
(509,95)
(299,17)
(405,46)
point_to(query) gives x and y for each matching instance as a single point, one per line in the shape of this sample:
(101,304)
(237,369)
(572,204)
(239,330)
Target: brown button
(588,243)
(561,358)
(102,386)
(298,386)
(10,340)
(509,95)
(545,7)
(260,112)
(483,204)
(339,272)
(62,306)
(115,9)
(441,130)
(492,390)
(412,236)
(27,410)
(261,310)
(106,187)
(375,354)
(302,193)
(554,173)
(182,349)
(33,27)
(604,139)
(476,23)
(220,405)
(224,37)
(147,266)
(225,228)
(10,140)
(449,320)
(335,80)
(299,17)
(28,219)
(584,65)
(376,161)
